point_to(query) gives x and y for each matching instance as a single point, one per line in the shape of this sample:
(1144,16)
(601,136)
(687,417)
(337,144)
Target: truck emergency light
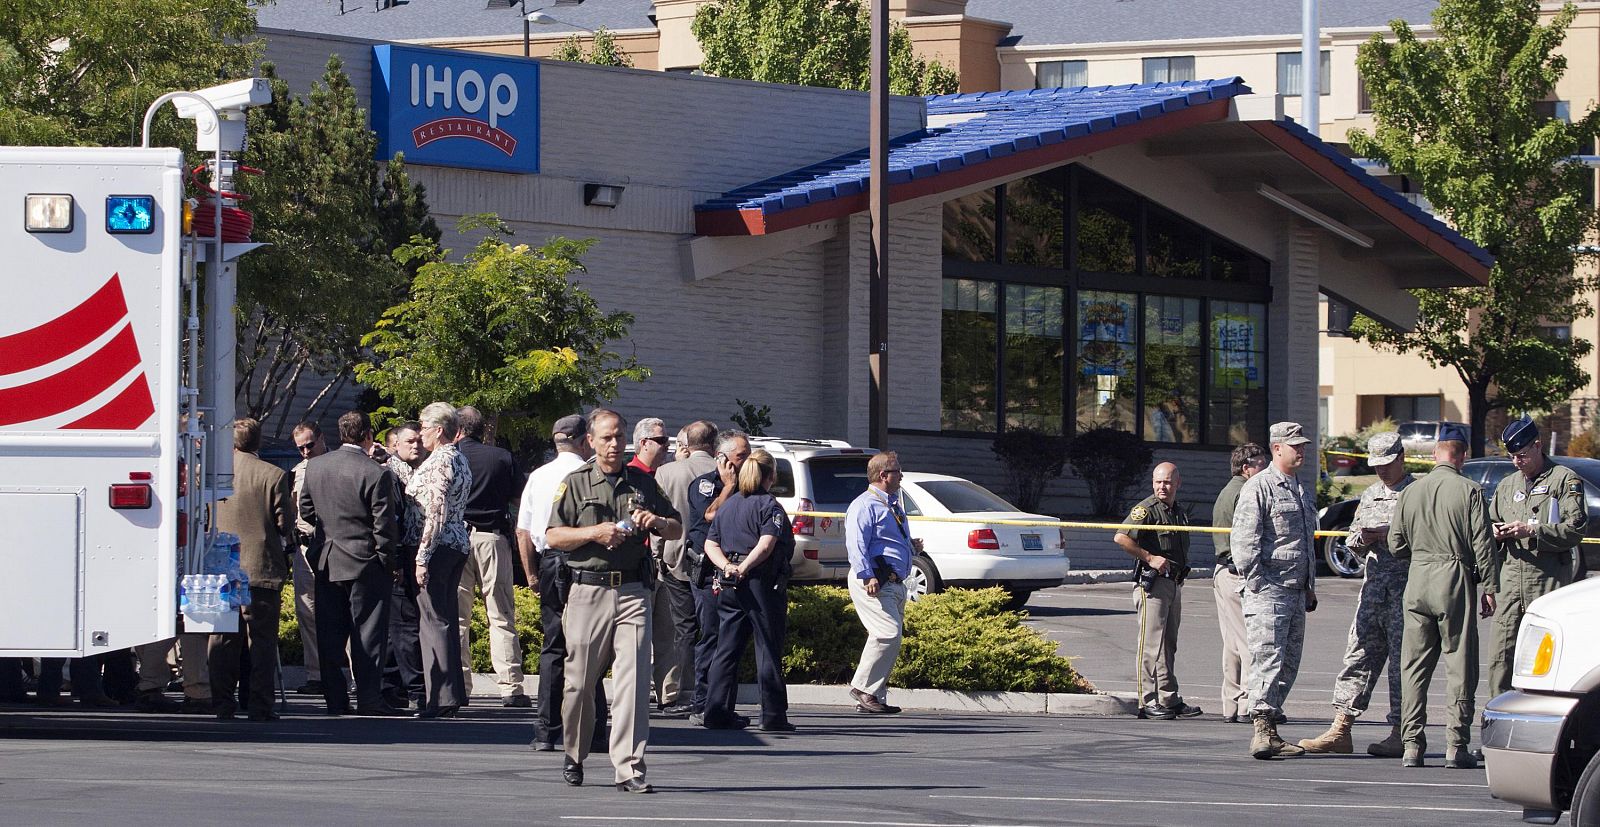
(130,495)
(48,213)
(130,214)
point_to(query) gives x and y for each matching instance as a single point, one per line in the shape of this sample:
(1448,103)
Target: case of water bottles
(210,601)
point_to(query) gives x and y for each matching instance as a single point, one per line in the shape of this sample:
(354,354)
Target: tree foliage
(1032,459)
(603,50)
(1457,114)
(1108,460)
(506,329)
(331,222)
(84,73)
(809,43)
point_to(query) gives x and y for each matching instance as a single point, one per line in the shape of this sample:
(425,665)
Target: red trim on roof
(754,222)
(1341,180)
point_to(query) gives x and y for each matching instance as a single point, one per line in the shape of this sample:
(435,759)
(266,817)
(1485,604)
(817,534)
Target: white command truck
(89,396)
(1541,741)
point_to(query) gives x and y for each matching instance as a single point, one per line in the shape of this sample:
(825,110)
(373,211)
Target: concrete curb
(1121,576)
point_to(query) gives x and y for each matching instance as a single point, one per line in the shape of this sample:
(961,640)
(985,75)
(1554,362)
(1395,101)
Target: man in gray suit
(260,514)
(350,499)
(676,626)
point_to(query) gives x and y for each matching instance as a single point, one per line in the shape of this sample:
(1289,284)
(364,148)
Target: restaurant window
(1289,78)
(1412,408)
(1168,69)
(1154,325)
(1060,74)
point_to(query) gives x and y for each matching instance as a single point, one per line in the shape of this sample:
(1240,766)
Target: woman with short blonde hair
(440,485)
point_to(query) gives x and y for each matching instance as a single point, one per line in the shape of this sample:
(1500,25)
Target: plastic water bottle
(183,595)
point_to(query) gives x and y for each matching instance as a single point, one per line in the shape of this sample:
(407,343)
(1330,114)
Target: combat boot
(1389,747)
(1336,740)
(1261,741)
(1412,755)
(1280,747)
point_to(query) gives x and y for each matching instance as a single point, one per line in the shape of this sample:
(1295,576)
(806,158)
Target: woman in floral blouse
(439,486)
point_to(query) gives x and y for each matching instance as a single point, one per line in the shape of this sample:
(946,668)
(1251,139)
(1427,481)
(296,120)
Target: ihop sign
(449,108)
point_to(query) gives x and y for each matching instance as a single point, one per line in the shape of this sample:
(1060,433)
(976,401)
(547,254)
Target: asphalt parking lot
(947,769)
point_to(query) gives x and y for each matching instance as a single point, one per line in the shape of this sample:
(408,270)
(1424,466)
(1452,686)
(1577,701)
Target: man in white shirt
(545,576)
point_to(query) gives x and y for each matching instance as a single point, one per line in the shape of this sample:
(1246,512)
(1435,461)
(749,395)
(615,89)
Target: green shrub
(1032,459)
(965,640)
(1108,461)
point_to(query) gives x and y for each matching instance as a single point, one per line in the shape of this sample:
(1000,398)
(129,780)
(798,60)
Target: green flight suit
(1530,568)
(1441,523)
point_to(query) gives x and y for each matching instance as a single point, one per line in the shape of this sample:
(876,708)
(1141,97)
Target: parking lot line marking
(701,819)
(1230,803)
(1380,783)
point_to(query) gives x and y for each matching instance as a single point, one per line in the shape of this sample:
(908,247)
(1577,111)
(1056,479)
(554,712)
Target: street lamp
(533,15)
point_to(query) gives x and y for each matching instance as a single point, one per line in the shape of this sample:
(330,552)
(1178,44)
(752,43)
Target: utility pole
(878,210)
(1310,67)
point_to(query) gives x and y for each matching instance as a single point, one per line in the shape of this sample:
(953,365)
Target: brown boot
(1280,747)
(1389,747)
(1261,741)
(1336,740)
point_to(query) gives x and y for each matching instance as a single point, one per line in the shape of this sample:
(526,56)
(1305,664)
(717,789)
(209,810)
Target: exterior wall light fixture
(602,195)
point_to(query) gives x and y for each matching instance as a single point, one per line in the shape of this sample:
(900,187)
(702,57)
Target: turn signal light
(1546,655)
(130,495)
(983,538)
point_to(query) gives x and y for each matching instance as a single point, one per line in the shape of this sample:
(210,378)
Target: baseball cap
(570,427)
(1383,449)
(1519,434)
(1288,433)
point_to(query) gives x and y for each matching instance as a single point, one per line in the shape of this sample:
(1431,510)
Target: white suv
(817,475)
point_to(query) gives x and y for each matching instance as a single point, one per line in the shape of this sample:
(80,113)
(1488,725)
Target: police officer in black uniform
(1162,557)
(749,546)
(706,495)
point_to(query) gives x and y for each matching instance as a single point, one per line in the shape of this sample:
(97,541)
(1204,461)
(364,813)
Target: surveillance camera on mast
(225,131)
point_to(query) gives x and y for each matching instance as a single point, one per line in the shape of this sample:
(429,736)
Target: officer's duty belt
(609,579)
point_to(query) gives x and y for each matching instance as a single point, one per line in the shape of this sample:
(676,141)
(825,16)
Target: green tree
(83,74)
(1457,114)
(603,50)
(809,43)
(506,329)
(332,217)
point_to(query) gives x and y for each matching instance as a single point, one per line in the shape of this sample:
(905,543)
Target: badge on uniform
(560,489)
(706,488)
(1519,497)
(1543,489)
(1137,515)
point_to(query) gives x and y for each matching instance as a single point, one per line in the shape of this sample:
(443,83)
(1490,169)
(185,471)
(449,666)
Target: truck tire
(1586,796)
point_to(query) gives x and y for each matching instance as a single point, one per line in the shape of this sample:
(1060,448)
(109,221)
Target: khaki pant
(1160,613)
(884,615)
(155,668)
(1235,649)
(305,612)
(489,567)
(608,626)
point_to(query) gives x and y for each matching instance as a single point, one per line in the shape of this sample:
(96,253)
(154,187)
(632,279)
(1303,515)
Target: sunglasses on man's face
(659,440)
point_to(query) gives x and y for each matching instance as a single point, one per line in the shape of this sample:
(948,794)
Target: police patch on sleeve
(1137,515)
(706,488)
(560,489)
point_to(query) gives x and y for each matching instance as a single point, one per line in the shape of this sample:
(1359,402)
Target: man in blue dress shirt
(878,539)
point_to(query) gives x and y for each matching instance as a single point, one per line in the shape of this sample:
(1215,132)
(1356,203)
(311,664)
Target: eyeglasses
(659,440)
(306,448)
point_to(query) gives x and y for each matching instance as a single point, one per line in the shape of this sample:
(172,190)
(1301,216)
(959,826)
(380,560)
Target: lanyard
(899,521)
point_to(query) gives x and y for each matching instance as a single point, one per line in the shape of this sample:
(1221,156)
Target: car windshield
(963,497)
(1494,473)
(1412,430)
(838,479)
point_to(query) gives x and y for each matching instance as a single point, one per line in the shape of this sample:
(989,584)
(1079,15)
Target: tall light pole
(1310,67)
(878,211)
(522,6)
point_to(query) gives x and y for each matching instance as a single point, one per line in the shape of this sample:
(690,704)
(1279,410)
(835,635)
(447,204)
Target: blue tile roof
(1387,193)
(1003,123)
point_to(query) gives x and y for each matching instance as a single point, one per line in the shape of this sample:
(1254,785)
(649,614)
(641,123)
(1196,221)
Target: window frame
(1166,61)
(1067,66)
(1324,74)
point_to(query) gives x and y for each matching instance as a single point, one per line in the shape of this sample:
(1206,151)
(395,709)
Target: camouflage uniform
(1380,612)
(1533,567)
(1441,523)
(1274,550)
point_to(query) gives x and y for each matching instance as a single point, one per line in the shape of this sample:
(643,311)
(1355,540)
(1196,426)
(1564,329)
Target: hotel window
(1168,69)
(1100,309)
(1412,408)
(1289,77)
(1059,74)
(1363,97)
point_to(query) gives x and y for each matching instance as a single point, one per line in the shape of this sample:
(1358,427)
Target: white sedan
(1022,559)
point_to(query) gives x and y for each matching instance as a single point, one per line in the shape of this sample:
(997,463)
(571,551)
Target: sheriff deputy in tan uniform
(1538,518)
(1163,563)
(602,519)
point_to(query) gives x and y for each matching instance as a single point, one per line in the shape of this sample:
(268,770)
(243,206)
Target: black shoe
(1157,712)
(635,785)
(778,726)
(730,722)
(519,701)
(1183,710)
(381,710)
(263,716)
(336,711)
(397,700)
(543,746)
(572,773)
(196,706)
(677,711)
(310,688)
(155,702)
(870,705)
(436,712)
(225,710)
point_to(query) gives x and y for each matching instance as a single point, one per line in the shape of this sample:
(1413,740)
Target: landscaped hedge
(960,639)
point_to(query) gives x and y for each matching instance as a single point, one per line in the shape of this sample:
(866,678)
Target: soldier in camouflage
(1273,544)
(1441,524)
(1375,631)
(1539,517)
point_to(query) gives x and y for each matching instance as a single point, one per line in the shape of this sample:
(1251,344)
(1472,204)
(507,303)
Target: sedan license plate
(1032,542)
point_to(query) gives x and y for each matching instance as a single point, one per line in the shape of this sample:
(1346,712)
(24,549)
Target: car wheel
(1018,600)
(1586,796)
(923,579)
(1341,559)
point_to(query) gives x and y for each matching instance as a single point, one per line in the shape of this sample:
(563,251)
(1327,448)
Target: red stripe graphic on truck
(78,382)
